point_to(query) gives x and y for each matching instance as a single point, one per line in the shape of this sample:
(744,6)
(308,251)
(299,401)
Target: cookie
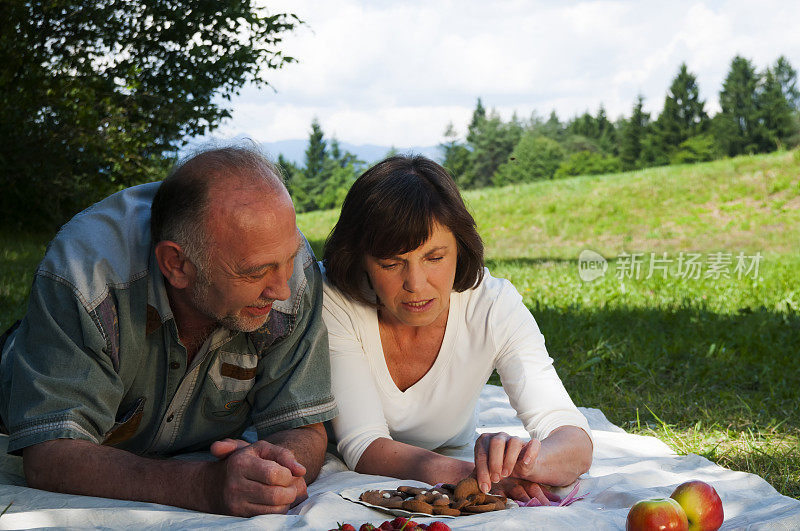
(382,498)
(484,508)
(416,506)
(466,487)
(445,510)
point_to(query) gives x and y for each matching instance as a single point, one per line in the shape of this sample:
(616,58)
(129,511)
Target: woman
(416,327)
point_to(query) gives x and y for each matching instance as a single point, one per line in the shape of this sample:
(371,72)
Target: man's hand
(499,456)
(258,478)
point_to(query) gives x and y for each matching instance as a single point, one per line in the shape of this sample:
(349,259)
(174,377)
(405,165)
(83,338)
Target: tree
(316,154)
(775,111)
(491,141)
(455,155)
(534,157)
(96,96)
(738,128)
(683,115)
(587,163)
(633,133)
(787,77)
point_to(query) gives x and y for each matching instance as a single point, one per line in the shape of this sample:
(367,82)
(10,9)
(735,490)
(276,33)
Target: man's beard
(231,321)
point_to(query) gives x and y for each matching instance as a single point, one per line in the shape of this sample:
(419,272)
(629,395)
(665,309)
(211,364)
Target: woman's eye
(435,258)
(388,266)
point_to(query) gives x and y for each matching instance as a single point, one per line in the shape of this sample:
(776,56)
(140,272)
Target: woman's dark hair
(392,209)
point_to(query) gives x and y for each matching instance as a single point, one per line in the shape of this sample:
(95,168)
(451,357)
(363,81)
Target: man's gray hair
(181,205)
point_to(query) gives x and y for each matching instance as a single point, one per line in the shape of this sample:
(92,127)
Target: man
(167,318)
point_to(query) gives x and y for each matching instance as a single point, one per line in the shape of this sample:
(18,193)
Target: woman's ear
(174,264)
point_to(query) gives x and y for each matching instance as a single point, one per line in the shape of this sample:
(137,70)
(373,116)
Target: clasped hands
(506,465)
(258,478)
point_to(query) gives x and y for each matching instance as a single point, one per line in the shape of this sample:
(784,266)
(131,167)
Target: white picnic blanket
(626,468)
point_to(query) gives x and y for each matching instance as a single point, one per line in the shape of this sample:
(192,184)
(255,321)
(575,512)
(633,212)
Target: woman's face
(414,288)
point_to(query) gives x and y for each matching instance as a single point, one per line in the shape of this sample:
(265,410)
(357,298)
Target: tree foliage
(632,135)
(96,96)
(534,157)
(325,178)
(759,113)
(683,115)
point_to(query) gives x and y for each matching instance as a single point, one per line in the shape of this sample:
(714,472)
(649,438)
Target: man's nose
(278,287)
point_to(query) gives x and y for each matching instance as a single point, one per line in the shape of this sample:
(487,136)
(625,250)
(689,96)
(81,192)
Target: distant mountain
(294,150)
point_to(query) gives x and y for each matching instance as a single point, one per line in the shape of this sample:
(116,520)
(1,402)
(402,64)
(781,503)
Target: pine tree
(478,118)
(787,77)
(683,115)
(455,155)
(606,134)
(491,144)
(775,111)
(633,134)
(739,130)
(316,153)
(553,128)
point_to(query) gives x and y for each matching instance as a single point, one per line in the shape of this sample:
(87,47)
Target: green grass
(708,365)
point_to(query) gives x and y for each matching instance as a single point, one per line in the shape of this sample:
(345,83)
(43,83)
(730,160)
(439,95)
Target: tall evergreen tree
(633,133)
(478,118)
(455,155)
(553,128)
(683,115)
(316,154)
(491,142)
(787,77)
(739,130)
(606,133)
(775,111)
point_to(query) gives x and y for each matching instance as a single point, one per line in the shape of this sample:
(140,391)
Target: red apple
(660,514)
(701,504)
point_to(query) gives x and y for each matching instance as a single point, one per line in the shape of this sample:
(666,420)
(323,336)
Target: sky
(395,73)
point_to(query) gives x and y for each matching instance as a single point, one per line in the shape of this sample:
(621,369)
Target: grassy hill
(708,364)
(748,203)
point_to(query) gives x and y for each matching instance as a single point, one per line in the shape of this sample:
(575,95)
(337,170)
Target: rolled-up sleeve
(361,420)
(58,382)
(526,369)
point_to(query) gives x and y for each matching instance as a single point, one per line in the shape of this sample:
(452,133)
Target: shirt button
(174,365)
(171,416)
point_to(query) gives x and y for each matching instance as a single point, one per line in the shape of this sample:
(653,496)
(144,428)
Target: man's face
(253,241)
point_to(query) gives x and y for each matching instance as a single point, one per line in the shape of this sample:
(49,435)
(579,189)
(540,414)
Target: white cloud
(395,73)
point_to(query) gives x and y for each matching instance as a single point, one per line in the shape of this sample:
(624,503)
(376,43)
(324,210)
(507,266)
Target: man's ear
(174,265)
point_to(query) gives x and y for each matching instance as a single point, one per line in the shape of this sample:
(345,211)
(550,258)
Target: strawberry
(387,526)
(367,527)
(438,526)
(399,522)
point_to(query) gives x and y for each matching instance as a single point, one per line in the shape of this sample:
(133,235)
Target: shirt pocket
(232,376)
(127,426)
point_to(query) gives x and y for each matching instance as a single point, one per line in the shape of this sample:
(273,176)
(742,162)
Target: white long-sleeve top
(488,327)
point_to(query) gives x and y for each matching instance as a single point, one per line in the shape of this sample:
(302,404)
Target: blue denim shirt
(97,355)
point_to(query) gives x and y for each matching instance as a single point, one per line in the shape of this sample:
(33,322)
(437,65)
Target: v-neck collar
(443,358)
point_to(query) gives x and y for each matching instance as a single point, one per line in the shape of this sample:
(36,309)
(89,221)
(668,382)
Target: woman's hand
(499,456)
(523,491)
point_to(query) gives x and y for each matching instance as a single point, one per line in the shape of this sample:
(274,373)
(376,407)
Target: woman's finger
(514,446)
(481,463)
(526,463)
(497,451)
